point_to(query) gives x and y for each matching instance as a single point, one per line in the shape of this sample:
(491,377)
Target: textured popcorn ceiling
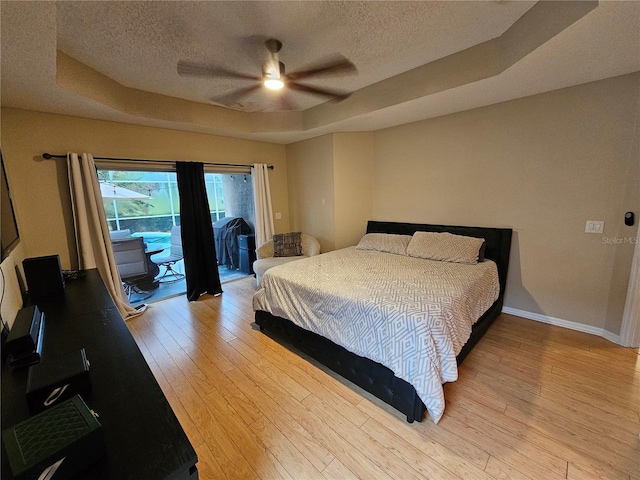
(138,44)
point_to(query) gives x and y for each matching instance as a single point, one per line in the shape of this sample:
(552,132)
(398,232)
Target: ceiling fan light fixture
(273,83)
(273,77)
(273,72)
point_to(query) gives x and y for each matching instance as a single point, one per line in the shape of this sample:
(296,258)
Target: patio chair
(174,256)
(131,261)
(120,234)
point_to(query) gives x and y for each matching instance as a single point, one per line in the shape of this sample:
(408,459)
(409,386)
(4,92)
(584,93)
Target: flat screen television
(8,226)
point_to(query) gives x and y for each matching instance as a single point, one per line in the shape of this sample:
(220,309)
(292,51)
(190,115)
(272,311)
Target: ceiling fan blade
(235,95)
(330,67)
(318,91)
(193,69)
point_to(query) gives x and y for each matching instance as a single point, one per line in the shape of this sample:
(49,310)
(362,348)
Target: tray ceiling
(117,60)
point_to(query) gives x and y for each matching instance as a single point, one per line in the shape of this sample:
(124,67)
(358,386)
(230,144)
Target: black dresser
(144,440)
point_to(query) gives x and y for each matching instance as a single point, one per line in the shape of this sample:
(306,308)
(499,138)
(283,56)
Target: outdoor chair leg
(170,272)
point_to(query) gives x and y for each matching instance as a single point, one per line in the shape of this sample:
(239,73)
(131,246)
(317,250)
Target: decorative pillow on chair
(385,242)
(287,244)
(445,246)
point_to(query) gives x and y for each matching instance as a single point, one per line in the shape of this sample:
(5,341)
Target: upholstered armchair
(266,260)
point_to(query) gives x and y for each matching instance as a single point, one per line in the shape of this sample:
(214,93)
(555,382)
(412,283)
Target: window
(145,201)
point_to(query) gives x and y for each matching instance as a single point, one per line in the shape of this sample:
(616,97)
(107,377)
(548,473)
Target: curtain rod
(143,160)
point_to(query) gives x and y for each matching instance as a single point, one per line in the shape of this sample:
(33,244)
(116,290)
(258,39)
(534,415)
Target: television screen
(8,226)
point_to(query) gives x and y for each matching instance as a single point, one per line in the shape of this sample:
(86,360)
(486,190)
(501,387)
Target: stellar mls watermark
(619,240)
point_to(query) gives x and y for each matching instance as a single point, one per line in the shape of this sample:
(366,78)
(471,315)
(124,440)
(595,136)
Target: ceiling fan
(273,76)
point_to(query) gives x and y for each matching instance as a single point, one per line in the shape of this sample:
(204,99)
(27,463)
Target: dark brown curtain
(200,264)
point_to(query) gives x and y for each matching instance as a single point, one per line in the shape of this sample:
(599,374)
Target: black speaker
(24,344)
(60,442)
(57,379)
(44,277)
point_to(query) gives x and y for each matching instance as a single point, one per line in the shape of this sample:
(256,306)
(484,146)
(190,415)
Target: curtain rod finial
(47,156)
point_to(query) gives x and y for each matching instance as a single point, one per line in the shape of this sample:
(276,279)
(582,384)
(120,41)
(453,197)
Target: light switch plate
(278,216)
(594,226)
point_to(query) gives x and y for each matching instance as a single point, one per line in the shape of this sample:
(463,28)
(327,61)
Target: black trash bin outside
(247,253)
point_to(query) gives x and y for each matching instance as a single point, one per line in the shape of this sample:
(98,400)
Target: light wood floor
(532,401)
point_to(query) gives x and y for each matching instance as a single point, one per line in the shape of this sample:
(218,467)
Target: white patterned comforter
(411,315)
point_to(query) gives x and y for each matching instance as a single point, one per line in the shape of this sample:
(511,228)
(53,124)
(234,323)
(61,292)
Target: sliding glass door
(147,204)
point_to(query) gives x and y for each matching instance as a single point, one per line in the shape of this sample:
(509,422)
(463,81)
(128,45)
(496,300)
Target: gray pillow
(385,242)
(445,247)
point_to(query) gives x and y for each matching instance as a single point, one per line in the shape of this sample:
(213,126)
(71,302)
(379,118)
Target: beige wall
(541,165)
(331,187)
(311,189)
(40,187)
(353,173)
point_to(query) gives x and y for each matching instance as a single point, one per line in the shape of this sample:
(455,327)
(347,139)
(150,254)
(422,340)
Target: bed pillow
(385,242)
(445,247)
(287,244)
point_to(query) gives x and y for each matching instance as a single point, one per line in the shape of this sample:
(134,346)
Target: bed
(386,365)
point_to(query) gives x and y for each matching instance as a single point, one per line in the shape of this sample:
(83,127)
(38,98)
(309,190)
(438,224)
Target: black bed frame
(372,376)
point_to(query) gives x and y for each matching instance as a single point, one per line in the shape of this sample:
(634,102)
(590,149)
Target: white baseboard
(559,322)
